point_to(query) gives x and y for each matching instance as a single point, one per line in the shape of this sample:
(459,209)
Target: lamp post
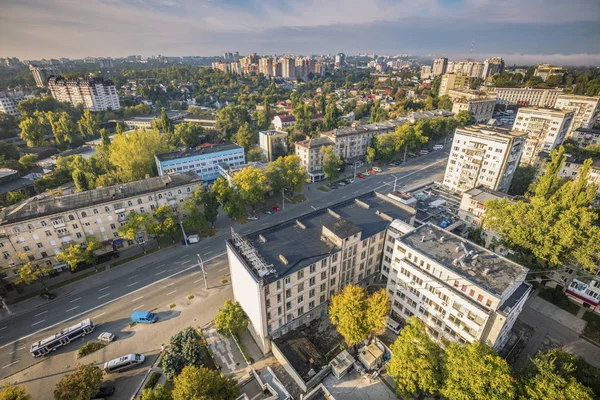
(183,231)
(201,263)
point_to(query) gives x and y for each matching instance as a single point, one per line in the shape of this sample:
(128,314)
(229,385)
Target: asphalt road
(109,298)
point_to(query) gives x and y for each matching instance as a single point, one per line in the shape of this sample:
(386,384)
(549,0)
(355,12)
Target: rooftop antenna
(472,46)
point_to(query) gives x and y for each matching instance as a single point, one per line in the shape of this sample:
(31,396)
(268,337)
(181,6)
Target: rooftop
(7,172)
(206,149)
(542,110)
(315,142)
(487,130)
(301,242)
(273,132)
(483,194)
(36,207)
(484,268)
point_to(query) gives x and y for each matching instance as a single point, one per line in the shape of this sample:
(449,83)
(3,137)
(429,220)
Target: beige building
(41,226)
(586,108)
(482,108)
(545,71)
(546,129)
(95,94)
(440,65)
(273,143)
(453,81)
(483,155)
(455,94)
(492,66)
(585,137)
(526,96)
(41,74)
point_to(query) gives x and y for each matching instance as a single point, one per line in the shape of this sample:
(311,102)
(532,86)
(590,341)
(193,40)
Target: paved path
(561,316)
(225,353)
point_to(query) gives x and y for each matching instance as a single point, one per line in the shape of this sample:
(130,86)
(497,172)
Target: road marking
(134,283)
(223,269)
(39,322)
(99,315)
(313,207)
(141,297)
(182,257)
(108,302)
(412,173)
(42,313)
(356,192)
(185,262)
(195,273)
(104,295)
(3,328)
(170,293)
(207,253)
(170,284)
(12,363)
(197,281)
(135,276)
(73,301)
(71,309)
(138,307)
(104,288)
(161,265)
(162,272)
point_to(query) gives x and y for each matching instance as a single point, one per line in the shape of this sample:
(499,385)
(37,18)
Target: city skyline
(520,32)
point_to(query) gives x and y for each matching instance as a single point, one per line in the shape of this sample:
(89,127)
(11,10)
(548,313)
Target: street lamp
(183,231)
(201,263)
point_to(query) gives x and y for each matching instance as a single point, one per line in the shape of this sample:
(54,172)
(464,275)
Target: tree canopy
(287,173)
(82,384)
(185,349)
(11,392)
(331,163)
(133,154)
(200,383)
(251,184)
(231,319)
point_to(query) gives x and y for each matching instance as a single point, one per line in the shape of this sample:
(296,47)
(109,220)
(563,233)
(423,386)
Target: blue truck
(144,317)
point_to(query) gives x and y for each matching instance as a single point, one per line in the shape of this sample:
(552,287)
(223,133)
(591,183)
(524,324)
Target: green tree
(165,222)
(303,114)
(235,207)
(30,272)
(32,131)
(187,134)
(287,173)
(445,103)
(200,383)
(9,151)
(229,119)
(416,361)
(88,124)
(356,315)
(256,154)
(15,197)
(185,349)
(77,254)
(262,120)
(464,118)
(251,184)
(550,377)
(231,319)
(331,119)
(82,384)
(104,135)
(81,180)
(211,208)
(330,164)
(475,372)
(11,392)
(163,123)
(245,137)
(522,179)
(133,154)
(159,393)
(371,153)
(135,227)
(221,189)
(28,161)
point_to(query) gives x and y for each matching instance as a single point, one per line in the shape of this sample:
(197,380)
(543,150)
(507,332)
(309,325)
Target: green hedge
(152,380)
(89,348)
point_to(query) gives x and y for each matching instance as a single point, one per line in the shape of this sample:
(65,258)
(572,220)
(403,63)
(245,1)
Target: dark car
(268,212)
(105,391)
(47,296)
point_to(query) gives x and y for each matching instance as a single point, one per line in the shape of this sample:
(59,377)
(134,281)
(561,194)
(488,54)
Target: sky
(565,32)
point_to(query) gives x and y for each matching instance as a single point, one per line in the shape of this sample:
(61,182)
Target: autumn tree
(476,372)
(134,228)
(133,154)
(370,156)
(28,161)
(357,315)
(11,392)
(77,254)
(464,118)
(287,173)
(229,119)
(187,134)
(256,154)
(251,184)
(330,164)
(31,272)
(165,222)
(82,384)
(159,392)
(245,136)
(163,123)
(231,319)
(88,124)
(200,383)
(445,103)
(221,189)
(32,131)
(416,361)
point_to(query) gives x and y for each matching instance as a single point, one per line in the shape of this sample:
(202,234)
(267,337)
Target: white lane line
(71,309)
(207,253)
(161,272)
(197,281)
(104,288)
(131,277)
(170,293)
(185,262)
(134,283)
(12,363)
(42,313)
(104,295)
(414,172)
(138,307)
(99,315)
(139,298)
(18,349)
(39,322)
(73,301)
(160,266)
(170,284)
(3,328)
(223,269)
(195,273)
(108,302)
(186,256)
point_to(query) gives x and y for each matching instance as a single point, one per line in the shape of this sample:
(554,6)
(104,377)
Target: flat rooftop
(484,268)
(483,194)
(213,148)
(301,243)
(487,130)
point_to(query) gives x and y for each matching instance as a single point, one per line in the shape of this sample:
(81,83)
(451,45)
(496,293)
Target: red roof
(287,118)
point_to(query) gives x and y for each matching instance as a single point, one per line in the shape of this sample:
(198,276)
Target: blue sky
(522,31)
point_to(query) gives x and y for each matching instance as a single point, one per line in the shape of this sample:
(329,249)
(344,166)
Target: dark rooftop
(482,267)
(342,228)
(213,148)
(483,194)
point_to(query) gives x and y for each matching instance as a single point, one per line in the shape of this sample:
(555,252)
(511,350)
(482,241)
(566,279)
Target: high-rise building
(526,96)
(545,71)
(425,72)
(440,65)
(453,81)
(586,108)
(492,66)
(288,68)
(273,143)
(340,60)
(8,105)
(483,155)
(41,74)
(546,129)
(95,94)
(265,66)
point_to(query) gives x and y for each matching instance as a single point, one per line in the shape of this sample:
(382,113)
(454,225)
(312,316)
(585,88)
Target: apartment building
(41,74)
(492,66)
(586,109)
(273,143)
(462,292)
(453,81)
(288,68)
(570,168)
(284,276)
(95,94)
(584,137)
(309,151)
(546,129)
(265,66)
(41,226)
(545,71)
(203,160)
(483,155)
(8,106)
(440,65)
(526,96)
(482,108)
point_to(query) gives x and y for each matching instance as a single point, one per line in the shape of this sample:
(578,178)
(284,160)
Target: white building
(284,276)
(584,137)
(483,155)
(545,71)
(492,66)
(526,96)
(8,106)
(283,121)
(482,108)
(273,143)
(95,94)
(586,108)
(440,65)
(546,129)
(462,292)
(41,74)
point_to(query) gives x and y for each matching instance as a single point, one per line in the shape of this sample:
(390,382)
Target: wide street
(165,277)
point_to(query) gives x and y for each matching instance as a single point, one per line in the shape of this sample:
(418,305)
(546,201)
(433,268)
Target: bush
(191,297)
(172,305)
(89,348)
(152,380)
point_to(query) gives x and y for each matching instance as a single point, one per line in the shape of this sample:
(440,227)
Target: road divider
(104,295)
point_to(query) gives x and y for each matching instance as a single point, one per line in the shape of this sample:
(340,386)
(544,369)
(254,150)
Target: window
(300,287)
(288,293)
(75,226)
(488,303)
(332,282)
(107,209)
(287,280)
(300,299)
(312,268)
(471,293)
(129,203)
(39,245)
(26,248)
(139,201)
(323,275)
(311,293)
(300,311)
(312,281)
(311,304)
(288,305)
(43,223)
(113,227)
(78,235)
(95,211)
(480,298)
(301,274)
(83,214)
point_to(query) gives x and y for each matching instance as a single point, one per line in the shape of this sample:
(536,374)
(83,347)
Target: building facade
(40,227)
(273,143)
(453,81)
(482,108)
(570,168)
(8,106)
(440,65)
(546,129)
(95,94)
(462,292)
(586,109)
(526,96)
(492,66)
(42,74)
(284,276)
(545,71)
(585,137)
(203,160)
(483,155)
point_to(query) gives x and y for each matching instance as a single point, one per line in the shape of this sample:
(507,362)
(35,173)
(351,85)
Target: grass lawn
(299,198)
(241,221)
(592,329)
(323,189)
(208,232)
(559,299)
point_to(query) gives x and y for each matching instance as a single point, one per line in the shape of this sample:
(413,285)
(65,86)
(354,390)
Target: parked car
(268,212)
(47,296)
(423,152)
(105,391)
(333,187)
(376,169)
(372,172)
(438,147)
(193,238)
(253,218)
(361,176)
(276,208)
(107,337)
(349,181)
(412,155)
(342,183)
(144,317)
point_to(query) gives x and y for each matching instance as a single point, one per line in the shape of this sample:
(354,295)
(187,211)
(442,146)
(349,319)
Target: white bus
(62,338)
(123,363)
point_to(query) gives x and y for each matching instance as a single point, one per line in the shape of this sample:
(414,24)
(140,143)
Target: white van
(123,363)
(438,147)
(393,326)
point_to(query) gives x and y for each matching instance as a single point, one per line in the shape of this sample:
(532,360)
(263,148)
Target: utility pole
(184,235)
(395,180)
(201,263)
(283,198)
(405,150)
(3,301)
